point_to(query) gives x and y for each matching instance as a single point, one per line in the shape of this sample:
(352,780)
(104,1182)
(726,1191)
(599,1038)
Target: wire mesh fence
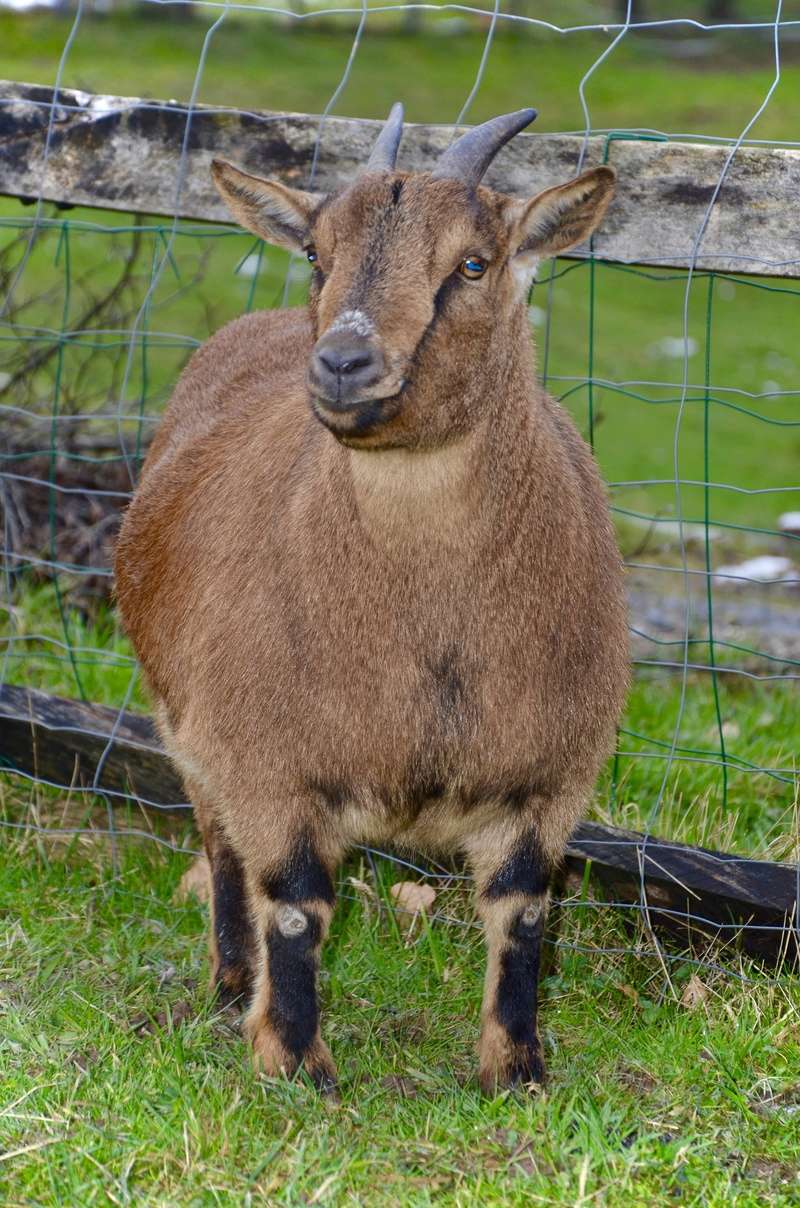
(685,382)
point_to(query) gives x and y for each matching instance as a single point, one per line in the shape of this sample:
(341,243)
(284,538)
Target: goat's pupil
(311,255)
(473,266)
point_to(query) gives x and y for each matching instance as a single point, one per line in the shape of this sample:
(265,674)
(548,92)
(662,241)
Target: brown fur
(411,633)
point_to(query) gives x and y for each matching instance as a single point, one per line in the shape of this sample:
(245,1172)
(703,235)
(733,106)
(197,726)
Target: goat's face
(415,280)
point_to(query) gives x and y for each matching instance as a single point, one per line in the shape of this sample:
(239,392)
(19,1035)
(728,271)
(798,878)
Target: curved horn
(384,153)
(469,156)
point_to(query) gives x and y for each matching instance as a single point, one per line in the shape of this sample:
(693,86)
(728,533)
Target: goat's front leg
(512,888)
(292,905)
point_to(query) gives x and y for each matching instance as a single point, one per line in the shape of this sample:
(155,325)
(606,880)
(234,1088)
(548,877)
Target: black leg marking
(292,970)
(518,982)
(525,871)
(303,877)
(232,927)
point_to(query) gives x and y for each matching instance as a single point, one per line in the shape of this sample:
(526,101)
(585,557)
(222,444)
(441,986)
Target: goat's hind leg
(231,932)
(512,881)
(231,938)
(293,900)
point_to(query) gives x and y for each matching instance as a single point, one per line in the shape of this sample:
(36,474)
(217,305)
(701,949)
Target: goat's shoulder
(257,358)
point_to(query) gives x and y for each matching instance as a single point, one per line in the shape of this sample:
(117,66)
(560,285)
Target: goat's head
(416,278)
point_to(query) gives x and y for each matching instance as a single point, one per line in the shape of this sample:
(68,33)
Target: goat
(371,577)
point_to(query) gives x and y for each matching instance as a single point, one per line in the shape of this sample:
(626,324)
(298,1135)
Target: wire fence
(684,382)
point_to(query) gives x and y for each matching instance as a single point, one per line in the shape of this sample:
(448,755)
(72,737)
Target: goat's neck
(453,495)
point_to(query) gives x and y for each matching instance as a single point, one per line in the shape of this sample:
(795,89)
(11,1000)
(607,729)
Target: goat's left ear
(560,217)
(275,212)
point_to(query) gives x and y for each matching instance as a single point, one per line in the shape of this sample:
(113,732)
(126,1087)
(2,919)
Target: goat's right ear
(271,210)
(560,217)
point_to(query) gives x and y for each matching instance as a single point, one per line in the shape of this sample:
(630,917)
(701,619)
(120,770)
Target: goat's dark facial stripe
(232,928)
(525,871)
(302,877)
(292,971)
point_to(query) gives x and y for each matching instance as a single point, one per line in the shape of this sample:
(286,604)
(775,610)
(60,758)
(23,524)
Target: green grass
(650,1101)
(254,62)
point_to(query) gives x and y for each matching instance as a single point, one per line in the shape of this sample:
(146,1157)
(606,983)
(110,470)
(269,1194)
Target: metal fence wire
(685,382)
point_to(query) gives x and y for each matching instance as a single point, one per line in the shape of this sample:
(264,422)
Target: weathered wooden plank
(62,740)
(124,153)
(688,890)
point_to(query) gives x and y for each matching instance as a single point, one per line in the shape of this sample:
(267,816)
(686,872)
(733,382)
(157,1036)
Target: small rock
(788,522)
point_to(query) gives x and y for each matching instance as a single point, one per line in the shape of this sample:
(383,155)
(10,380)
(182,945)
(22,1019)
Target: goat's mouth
(357,423)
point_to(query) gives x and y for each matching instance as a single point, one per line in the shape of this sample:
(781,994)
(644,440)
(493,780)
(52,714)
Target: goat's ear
(560,217)
(269,209)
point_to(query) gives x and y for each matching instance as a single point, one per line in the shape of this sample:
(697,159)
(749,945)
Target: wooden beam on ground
(693,893)
(125,153)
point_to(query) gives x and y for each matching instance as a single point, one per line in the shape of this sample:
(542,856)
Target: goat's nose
(344,361)
(342,369)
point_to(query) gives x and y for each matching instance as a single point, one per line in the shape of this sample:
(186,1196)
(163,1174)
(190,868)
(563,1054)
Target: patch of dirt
(637,1079)
(518,1155)
(769,1170)
(406,1088)
(164,1021)
(785,1103)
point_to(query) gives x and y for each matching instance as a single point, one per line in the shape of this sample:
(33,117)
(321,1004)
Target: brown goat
(371,577)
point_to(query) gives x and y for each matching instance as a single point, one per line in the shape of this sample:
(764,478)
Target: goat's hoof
(271,1057)
(521,1069)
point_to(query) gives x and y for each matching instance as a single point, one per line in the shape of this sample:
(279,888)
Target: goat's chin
(366,424)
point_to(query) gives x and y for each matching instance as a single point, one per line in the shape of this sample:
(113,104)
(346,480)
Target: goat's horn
(384,153)
(469,157)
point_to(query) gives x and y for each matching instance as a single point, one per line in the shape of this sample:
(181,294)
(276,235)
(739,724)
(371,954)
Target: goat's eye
(311,255)
(473,267)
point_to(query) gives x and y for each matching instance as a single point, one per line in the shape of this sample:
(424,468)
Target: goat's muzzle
(347,378)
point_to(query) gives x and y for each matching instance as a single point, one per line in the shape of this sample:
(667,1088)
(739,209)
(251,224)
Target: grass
(122,1083)
(260,64)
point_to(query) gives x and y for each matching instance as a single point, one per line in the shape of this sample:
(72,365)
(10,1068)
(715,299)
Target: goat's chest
(430,670)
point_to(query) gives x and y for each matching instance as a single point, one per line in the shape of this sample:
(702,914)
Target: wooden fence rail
(125,153)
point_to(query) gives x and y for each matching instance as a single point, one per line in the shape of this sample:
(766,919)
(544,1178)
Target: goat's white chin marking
(355,321)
